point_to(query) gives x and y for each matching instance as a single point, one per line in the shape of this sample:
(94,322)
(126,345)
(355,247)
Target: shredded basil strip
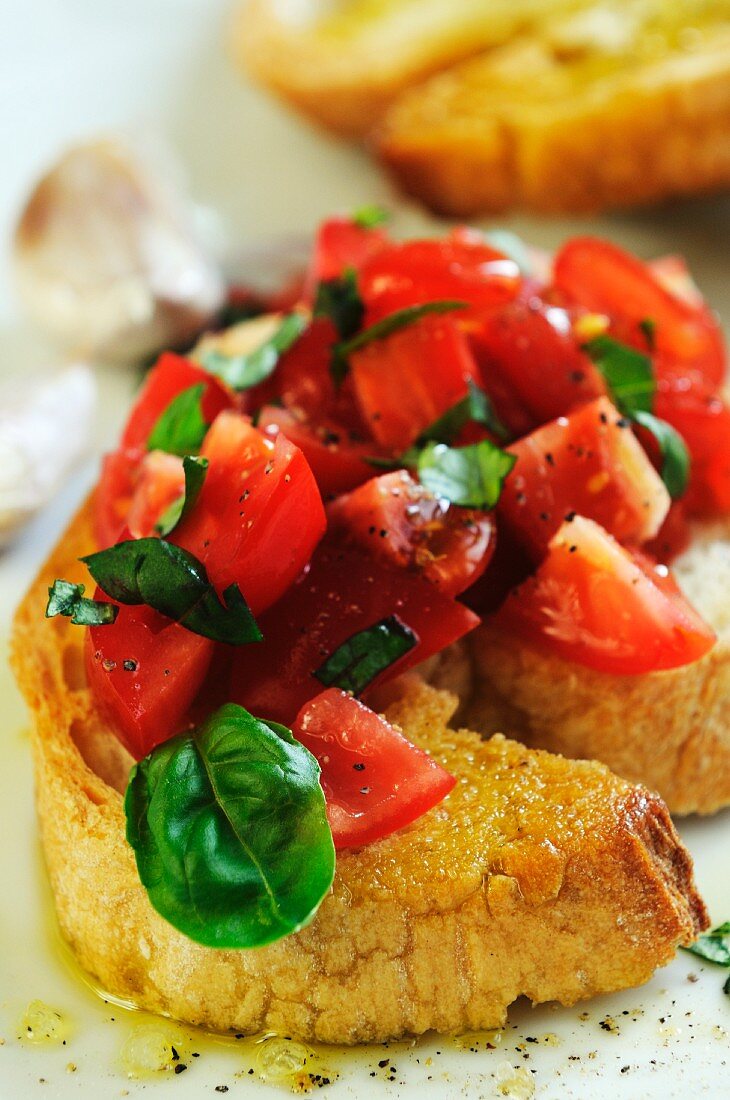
(195,470)
(229,830)
(66,598)
(172,581)
(394,322)
(475,408)
(371,216)
(726,987)
(181,428)
(713,946)
(676,462)
(470,476)
(647,325)
(628,373)
(357,662)
(339,299)
(241,372)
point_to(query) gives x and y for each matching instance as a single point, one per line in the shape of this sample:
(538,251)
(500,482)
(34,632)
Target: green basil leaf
(339,299)
(394,322)
(241,372)
(726,987)
(714,946)
(475,408)
(676,460)
(357,662)
(181,428)
(195,470)
(65,598)
(470,476)
(648,327)
(229,830)
(628,373)
(371,216)
(164,576)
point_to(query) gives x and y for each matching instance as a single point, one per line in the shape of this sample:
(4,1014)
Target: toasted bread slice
(624,104)
(343,63)
(669,729)
(536,876)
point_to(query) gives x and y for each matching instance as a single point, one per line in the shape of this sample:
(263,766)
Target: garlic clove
(106,258)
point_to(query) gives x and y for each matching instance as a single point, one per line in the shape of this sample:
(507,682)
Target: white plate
(67,70)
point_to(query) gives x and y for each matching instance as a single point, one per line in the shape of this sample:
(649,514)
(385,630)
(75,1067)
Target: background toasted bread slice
(573,117)
(342,63)
(670,729)
(536,876)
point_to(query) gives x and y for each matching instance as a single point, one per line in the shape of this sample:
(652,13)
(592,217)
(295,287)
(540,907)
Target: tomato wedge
(145,672)
(374,780)
(169,377)
(344,591)
(589,462)
(593,602)
(399,522)
(259,515)
(160,482)
(114,492)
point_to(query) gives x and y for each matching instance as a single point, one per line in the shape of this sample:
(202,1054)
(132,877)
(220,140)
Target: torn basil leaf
(339,299)
(469,476)
(371,216)
(241,372)
(229,830)
(475,408)
(65,598)
(628,373)
(180,429)
(648,327)
(713,946)
(195,470)
(676,460)
(172,581)
(355,664)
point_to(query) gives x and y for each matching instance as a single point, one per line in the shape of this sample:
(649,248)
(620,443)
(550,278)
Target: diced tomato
(593,602)
(259,515)
(114,492)
(145,671)
(338,463)
(160,482)
(703,420)
(591,463)
(396,520)
(406,381)
(528,350)
(169,377)
(344,592)
(603,278)
(460,267)
(341,243)
(673,537)
(374,780)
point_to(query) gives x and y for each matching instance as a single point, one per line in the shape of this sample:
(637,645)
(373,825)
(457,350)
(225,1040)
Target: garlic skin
(106,259)
(38,448)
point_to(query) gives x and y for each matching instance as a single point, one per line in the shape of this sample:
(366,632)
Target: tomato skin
(459,267)
(673,537)
(374,780)
(408,380)
(591,463)
(259,515)
(169,377)
(145,704)
(603,278)
(344,591)
(341,243)
(703,420)
(594,603)
(160,482)
(400,523)
(114,492)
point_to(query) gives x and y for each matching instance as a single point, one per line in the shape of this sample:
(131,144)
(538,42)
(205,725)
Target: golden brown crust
(536,876)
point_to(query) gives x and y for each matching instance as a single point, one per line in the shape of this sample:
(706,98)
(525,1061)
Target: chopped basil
(195,470)
(628,373)
(470,476)
(371,216)
(648,327)
(726,987)
(241,372)
(167,578)
(714,946)
(181,428)
(676,460)
(394,322)
(65,598)
(357,662)
(229,830)
(475,408)
(340,300)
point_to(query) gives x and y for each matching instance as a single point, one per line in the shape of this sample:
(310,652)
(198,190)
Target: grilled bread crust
(536,876)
